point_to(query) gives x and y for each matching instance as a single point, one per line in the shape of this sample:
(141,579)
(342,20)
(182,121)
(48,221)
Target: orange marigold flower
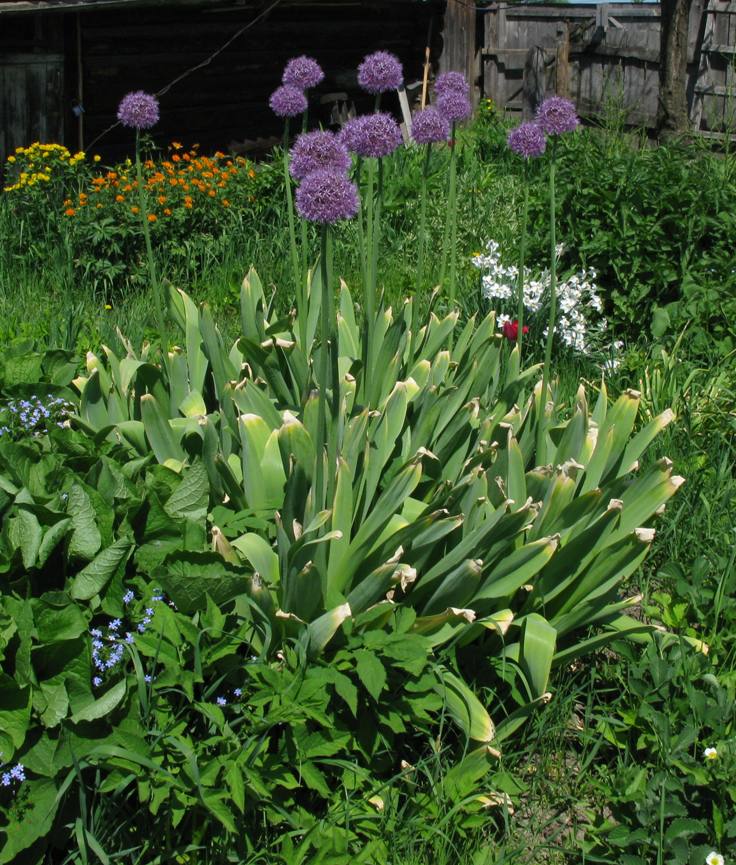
(188,205)
(67,202)
(162,199)
(176,145)
(251,172)
(212,193)
(187,157)
(119,198)
(167,212)
(127,188)
(70,211)
(225,202)
(176,158)
(173,182)
(152,217)
(135,209)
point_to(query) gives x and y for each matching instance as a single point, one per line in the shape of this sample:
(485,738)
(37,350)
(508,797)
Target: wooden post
(562,66)
(458,36)
(534,82)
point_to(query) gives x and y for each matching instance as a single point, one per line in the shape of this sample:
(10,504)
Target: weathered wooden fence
(606,58)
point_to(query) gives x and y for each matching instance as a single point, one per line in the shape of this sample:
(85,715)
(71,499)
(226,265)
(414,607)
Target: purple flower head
(316,150)
(527,140)
(326,196)
(451,82)
(288,101)
(139,110)
(379,72)
(302,72)
(97,681)
(221,701)
(374,135)
(557,115)
(454,106)
(429,126)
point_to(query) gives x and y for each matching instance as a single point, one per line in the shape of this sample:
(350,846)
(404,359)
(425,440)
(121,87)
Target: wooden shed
(65,64)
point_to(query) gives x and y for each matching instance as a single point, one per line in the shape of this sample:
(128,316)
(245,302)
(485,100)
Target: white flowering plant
(580,326)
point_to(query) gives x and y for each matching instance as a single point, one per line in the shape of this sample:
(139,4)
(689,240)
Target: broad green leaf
(465,708)
(191,497)
(25,534)
(188,577)
(85,539)
(15,710)
(323,629)
(101,707)
(159,432)
(260,555)
(538,642)
(26,825)
(371,672)
(93,578)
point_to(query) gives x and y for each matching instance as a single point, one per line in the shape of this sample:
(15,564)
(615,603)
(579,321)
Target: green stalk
(361,232)
(542,424)
(522,260)
(324,374)
(143,207)
(370,282)
(296,270)
(375,240)
(334,431)
(450,218)
(423,218)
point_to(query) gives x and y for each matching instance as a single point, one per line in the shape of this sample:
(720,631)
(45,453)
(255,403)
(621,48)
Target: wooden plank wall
(32,91)
(612,58)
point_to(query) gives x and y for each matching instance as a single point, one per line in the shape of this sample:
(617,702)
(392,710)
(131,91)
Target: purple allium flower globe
(556,116)
(288,101)
(373,135)
(313,151)
(429,126)
(350,134)
(379,72)
(527,140)
(451,82)
(302,72)
(326,196)
(455,106)
(139,110)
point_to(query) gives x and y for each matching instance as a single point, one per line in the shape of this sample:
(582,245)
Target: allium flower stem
(297,271)
(423,216)
(522,259)
(450,236)
(325,425)
(542,420)
(370,278)
(361,230)
(143,208)
(376,239)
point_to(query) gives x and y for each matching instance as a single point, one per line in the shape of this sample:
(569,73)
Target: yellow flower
(96,157)
(11,158)
(107,306)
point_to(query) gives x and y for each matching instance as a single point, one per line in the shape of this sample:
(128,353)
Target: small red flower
(511,330)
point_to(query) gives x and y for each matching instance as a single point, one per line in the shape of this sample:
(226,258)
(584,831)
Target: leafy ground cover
(216,649)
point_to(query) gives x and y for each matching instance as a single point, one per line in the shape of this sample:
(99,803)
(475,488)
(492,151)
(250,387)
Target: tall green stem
(542,421)
(522,262)
(361,230)
(324,374)
(369,282)
(376,239)
(297,273)
(423,218)
(450,221)
(157,291)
